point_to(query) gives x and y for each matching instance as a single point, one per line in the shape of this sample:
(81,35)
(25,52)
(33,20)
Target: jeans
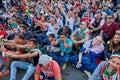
(21,65)
(87,63)
(60,59)
(42,38)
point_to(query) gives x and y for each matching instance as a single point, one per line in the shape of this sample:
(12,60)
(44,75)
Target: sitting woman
(87,60)
(113,47)
(108,70)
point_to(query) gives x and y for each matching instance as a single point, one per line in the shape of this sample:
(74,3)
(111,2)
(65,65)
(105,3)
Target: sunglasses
(109,18)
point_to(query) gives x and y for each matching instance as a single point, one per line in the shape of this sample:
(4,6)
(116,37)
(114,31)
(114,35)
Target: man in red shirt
(47,69)
(87,19)
(3,33)
(109,29)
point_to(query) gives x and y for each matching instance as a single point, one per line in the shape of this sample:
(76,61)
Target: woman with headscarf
(87,60)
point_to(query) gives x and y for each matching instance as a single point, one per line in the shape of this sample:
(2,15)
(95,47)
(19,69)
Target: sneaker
(64,66)
(87,73)
(4,73)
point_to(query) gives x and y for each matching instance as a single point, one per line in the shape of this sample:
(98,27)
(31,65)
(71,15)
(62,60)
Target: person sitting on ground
(65,29)
(27,34)
(11,33)
(87,19)
(80,35)
(89,55)
(52,49)
(47,69)
(12,46)
(109,28)
(65,49)
(108,70)
(97,24)
(33,54)
(113,47)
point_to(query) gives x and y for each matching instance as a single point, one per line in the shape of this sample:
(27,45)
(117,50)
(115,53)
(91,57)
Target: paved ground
(71,73)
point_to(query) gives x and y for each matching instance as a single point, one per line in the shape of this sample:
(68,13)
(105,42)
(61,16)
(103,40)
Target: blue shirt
(108,12)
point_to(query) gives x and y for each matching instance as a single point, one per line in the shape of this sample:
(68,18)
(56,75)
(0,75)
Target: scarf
(96,49)
(82,31)
(108,75)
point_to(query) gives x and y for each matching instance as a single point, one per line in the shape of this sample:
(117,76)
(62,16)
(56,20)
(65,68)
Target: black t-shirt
(34,60)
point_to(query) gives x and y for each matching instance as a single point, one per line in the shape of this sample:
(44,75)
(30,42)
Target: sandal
(4,73)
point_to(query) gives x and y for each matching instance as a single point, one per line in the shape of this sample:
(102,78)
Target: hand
(78,65)
(49,50)
(10,54)
(86,50)
(65,45)
(106,59)
(53,43)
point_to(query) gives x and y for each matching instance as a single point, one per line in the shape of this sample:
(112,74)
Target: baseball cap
(84,23)
(44,59)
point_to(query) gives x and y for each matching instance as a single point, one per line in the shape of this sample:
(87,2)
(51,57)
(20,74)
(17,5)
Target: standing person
(30,67)
(47,69)
(65,49)
(108,70)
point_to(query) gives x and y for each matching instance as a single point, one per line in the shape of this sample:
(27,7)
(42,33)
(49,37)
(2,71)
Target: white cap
(84,23)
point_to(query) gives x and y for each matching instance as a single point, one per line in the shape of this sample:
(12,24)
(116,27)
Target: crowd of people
(43,36)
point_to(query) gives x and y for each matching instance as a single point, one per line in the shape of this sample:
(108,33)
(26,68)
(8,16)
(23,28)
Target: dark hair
(63,33)
(52,35)
(54,19)
(100,13)
(24,27)
(21,36)
(33,40)
(110,15)
(44,17)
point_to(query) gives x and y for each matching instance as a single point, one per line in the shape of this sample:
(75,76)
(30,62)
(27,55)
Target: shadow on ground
(70,73)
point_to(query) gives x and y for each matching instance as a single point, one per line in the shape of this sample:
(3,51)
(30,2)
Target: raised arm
(27,55)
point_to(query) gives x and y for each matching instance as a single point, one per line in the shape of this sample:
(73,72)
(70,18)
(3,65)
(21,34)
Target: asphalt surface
(70,73)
